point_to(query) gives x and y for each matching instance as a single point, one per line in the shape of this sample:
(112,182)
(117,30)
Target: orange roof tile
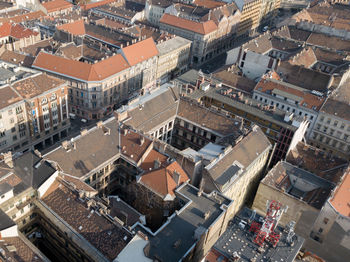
(140,51)
(74,28)
(16,31)
(209,3)
(56,5)
(96,4)
(341,198)
(161,180)
(80,70)
(202,28)
(23,18)
(309,100)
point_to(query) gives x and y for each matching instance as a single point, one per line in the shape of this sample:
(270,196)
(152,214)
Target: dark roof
(33,171)
(5,221)
(299,183)
(4,188)
(171,244)
(245,152)
(236,239)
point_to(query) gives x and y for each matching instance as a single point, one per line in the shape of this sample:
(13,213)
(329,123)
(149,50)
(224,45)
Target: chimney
(65,144)
(83,132)
(125,131)
(8,159)
(156,164)
(37,152)
(176,177)
(142,140)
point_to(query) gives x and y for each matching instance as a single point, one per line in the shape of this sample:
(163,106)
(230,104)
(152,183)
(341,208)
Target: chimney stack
(176,177)
(8,159)
(156,164)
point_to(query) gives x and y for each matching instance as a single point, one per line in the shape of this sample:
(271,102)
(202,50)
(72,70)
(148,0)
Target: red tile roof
(16,31)
(209,3)
(202,28)
(80,70)
(56,5)
(309,100)
(341,198)
(74,28)
(96,4)
(161,180)
(140,51)
(23,17)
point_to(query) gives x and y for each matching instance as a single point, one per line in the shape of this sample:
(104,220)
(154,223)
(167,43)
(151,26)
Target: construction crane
(266,230)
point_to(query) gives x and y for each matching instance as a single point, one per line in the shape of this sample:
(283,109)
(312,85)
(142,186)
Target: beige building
(173,59)
(331,131)
(95,90)
(250,16)
(236,171)
(34,111)
(211,31)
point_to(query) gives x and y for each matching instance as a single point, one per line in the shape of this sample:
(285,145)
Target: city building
(292,99)
(34,112)
(57,7)
(236,170)
(250,16)
(210,30)
(283,129)
(96,89)
(331,131)
(239,241)
(304,183)
(173,59)
(331,224)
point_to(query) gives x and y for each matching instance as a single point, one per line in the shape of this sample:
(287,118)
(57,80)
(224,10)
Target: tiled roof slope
(245,152)
(56,5)
(307,99)
(106,237)
(80,70)
(23,17)
(341,197)
(202,28)
(74,28)
(161,180)
(16,31)
(140,51)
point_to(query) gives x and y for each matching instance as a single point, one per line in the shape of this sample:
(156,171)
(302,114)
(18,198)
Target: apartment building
(250,16)
(211,30)
(236,171)
(304,183)
(174,58)
(154,10)
(331,224)
(57,7)
(96,89)
(271,91)
(332,127)
(283,129)
(35,109)
(316,18)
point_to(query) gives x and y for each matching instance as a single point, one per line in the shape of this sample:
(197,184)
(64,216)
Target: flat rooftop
(240,240)
(172,44)
(171,244)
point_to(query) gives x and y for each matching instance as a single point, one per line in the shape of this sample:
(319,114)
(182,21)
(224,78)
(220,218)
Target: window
(2,133)
(10,112)
(13,129)
(335,123)
(22,134)
(320,230)
(14,138)
(12,120)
